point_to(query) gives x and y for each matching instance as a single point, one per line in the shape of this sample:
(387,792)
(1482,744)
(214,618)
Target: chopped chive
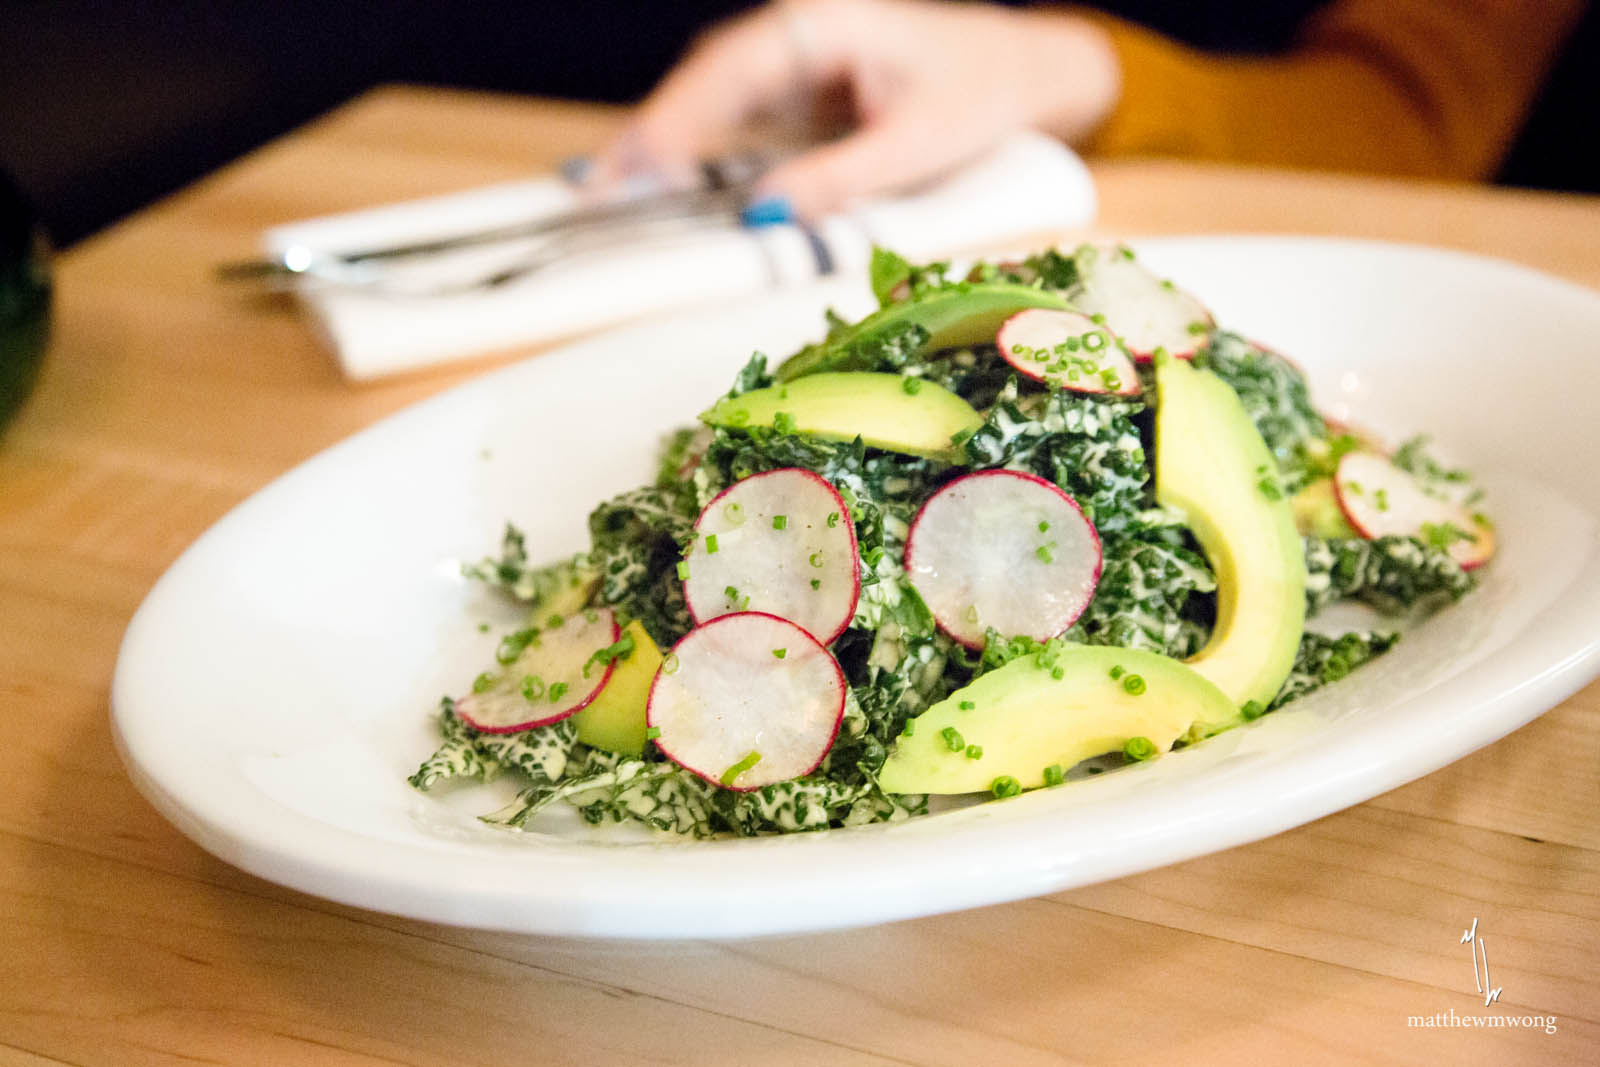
(1252,710)
(912,386)
(513,645)
(1197,328)
(670,663)
(554,622)
(483,683)
(1098,319)
(1094,341)
(732,594)
(1133,684)
(532,687)
(783,422)
(909,728)
(591,616)
(1044,527)
(815,559)
(733,511)
(1116,672)
(750,760)
(558,691)
(966,705)
(652,732)
(1270,489)
(953,739)
(1058,673)
(972,613)
(683,570)
(1054,775)
(1005,786)
(974,751)
(1382,497)
(780,522)
(780,652)
(1138,749)
(1044,554)
(816,583)
(833,519)
(483,627)
(1166,283)
(711,544)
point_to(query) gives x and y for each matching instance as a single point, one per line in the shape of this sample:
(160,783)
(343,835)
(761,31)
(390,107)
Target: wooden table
(166,401)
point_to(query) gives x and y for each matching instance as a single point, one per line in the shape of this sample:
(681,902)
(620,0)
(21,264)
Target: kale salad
(1015,527)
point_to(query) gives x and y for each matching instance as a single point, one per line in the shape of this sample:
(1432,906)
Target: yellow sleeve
(1433,88)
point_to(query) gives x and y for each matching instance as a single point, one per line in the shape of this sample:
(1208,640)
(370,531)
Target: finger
(739,69)
(899,150)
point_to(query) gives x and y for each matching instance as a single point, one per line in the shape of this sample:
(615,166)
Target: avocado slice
(961,314)
(845,405)
(1025,719)
(614,719)
(1212,465)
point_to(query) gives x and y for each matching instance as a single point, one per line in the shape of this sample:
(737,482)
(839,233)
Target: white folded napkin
(1029,183)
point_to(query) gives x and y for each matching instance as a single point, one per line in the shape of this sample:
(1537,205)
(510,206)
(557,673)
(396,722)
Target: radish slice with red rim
(747,700)
(554,674)
(1067,350)
(1147,312)
(1382,500)
(1003,550)
(779,542)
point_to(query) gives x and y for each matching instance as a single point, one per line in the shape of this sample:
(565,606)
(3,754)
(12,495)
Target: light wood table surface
(166,401)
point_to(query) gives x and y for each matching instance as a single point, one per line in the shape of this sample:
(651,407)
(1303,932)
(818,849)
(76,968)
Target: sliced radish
(1004,550)
(554,675)
(779,542)
(1067,350)
(747,700)
(1381,500)
(1145,311)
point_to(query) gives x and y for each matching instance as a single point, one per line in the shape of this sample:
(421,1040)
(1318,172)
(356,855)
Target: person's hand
(928,85)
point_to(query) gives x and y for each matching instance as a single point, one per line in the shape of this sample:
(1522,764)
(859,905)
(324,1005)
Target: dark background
(106,106)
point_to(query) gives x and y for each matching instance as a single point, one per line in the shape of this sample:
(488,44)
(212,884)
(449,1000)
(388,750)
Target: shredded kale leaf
(540,754)
(458,756)
(1153,594)
(512,573)
(1088,445)
(889,271)
(752,376)
(1275,396)
(608,788)
(1393,574)
(637,542)
(1322,660)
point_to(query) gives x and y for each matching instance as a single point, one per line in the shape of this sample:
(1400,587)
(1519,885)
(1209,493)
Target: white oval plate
(273,691)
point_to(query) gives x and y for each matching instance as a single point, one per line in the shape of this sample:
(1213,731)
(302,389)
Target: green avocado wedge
(1023,718)
(966,313)
(878,408)
(1213,466)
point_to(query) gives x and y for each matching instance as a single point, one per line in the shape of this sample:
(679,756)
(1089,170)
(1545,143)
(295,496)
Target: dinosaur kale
(1393,574)
(1322,659)
(637,542)
(1275,396)
(540,754)
(1088,445)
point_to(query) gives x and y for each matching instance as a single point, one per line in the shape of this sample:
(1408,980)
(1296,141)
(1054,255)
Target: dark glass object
(24,298)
